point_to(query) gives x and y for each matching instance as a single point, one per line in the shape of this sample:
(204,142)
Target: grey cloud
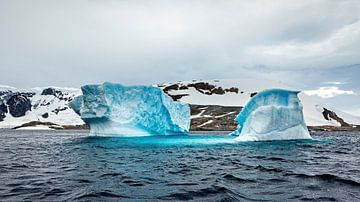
(138,42)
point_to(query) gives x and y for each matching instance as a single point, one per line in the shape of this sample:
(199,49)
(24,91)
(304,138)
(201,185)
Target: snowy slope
(247,86)
(46,106)
(312,106)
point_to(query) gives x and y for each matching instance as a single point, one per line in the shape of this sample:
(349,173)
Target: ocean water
(69,165)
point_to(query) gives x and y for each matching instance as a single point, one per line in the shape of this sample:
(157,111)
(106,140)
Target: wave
(221,192)
(101,194)
(327,177)
(237,179)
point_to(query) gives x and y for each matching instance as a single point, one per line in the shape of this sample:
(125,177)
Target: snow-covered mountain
(235,93)
(214,105)
(46,105)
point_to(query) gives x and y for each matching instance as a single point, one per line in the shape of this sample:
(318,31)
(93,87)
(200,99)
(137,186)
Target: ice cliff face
(272,115)
(114,109)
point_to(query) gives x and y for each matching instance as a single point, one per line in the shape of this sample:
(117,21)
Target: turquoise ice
(274,114)
(117,110)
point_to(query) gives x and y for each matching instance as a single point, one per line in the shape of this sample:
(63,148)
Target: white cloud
(334,82)
(329,92)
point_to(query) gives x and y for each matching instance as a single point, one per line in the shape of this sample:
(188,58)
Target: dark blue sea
(70,166)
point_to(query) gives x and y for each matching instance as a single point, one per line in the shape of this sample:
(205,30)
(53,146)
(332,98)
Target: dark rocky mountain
(18,104)
(213,117)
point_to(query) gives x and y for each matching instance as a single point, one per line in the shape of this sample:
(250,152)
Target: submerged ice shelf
(116,110)
(274,114)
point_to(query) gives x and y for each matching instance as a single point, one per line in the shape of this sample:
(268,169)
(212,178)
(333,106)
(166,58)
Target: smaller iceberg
(274,114)
(116,110)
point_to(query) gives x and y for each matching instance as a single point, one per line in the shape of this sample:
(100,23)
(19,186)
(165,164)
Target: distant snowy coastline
(214,105)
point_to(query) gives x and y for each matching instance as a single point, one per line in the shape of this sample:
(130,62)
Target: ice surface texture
(274,114)
(117,110)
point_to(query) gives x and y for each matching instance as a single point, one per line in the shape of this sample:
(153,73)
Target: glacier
(274,114)
(116,110)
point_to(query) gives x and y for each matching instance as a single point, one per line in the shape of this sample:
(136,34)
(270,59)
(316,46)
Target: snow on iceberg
(117,110)
(274,114)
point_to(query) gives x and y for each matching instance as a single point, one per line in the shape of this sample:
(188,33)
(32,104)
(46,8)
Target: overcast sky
(311,44)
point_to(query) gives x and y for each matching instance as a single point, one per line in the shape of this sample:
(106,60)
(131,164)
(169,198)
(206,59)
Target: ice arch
(274,114)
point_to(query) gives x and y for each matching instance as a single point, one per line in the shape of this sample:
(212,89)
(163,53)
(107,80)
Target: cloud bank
(329,92)
(76,42)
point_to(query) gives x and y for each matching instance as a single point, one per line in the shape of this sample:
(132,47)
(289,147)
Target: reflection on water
(68,165)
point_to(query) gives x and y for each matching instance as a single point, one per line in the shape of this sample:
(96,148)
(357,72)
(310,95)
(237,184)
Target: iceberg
(274,114)
(116,110)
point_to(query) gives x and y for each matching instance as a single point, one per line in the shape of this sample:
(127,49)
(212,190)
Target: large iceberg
(117,110)
(274,114)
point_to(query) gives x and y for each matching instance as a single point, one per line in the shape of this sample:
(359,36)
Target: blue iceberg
(274,114)
(116,110)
